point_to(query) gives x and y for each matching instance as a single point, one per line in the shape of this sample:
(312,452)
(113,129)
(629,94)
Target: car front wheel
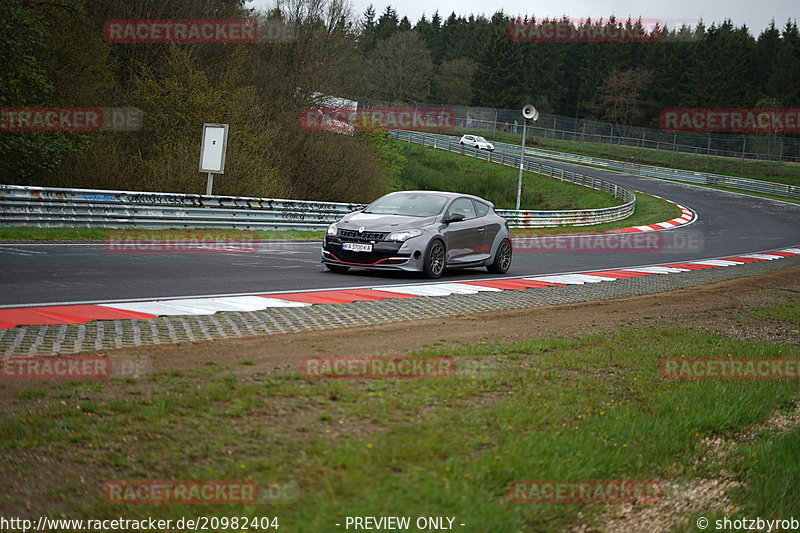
(502,259)
(435,258)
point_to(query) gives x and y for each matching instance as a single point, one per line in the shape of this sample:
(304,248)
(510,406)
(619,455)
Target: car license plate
(356,247)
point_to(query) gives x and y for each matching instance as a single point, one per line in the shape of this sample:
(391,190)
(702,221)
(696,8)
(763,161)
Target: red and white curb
(687,216)
(132,310)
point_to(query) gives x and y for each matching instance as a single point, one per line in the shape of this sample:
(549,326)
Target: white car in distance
(476,141)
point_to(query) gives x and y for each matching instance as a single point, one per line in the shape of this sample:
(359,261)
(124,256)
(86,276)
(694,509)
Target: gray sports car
(420,231)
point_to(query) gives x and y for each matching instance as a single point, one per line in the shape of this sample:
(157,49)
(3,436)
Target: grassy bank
(649,210)
(431,169)
(591,407)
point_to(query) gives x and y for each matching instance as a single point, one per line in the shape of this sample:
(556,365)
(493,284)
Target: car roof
(450,195)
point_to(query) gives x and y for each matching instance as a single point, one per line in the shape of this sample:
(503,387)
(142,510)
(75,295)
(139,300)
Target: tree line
(471,60)
(55,55)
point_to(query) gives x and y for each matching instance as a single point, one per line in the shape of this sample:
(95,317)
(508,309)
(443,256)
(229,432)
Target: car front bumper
(384,256)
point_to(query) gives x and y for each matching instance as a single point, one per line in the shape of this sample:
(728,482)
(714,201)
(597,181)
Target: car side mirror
(455,217)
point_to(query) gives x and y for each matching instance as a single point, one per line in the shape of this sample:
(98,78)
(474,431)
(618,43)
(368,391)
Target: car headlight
(403,236)
(332,229)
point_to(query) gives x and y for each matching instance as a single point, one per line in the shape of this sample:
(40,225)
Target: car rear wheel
(502,259)
(336,268)
(435,259)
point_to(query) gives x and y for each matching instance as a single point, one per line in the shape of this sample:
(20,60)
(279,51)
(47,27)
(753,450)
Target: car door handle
(481,229)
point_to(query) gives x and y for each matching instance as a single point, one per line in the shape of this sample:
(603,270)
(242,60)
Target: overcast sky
(755,14)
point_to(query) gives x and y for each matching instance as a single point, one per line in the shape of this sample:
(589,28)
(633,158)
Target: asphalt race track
(728,224)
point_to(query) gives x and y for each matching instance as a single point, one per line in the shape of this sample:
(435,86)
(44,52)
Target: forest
(55,54)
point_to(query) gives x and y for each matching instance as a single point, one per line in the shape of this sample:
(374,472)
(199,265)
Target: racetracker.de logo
(730,368)
(585,31)
(730,120)
(369,367)
(180,31)
(193,242)
(606,242)
(585,491)
(345,120)
(613,243)
(180,492)
(71,119)
(55,367)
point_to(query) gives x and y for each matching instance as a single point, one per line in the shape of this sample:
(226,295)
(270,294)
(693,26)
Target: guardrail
(529,218)
(651,171)
(62,207)
(687,176)
(57,207)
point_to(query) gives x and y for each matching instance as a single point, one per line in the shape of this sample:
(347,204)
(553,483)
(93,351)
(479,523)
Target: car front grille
(367,236)
(368,258)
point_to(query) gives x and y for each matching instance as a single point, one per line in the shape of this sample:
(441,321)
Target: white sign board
(212,151)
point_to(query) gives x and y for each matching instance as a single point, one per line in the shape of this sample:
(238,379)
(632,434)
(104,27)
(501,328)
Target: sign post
(212,152)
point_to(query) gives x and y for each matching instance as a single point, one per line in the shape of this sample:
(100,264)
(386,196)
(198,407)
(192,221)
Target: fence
(770,147)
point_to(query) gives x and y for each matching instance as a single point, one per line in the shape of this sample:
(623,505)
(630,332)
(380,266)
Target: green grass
(762,170)
(431,169)
(592,407)
(772,471)
(649,210)
(782,312)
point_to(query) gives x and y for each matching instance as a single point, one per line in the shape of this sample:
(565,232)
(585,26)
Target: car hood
(381,222)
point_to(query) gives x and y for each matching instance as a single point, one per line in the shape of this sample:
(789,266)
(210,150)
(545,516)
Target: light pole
(528,113)
(521,160)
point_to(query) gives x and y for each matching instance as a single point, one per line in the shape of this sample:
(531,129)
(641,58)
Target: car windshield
(480,139)
(409,204)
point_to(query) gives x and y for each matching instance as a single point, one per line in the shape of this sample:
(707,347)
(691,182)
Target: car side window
(480,208)
(463,206)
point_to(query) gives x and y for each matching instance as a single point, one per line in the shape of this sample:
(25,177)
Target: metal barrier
(688,176)
(61,207)
(57,207)
(527,218)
